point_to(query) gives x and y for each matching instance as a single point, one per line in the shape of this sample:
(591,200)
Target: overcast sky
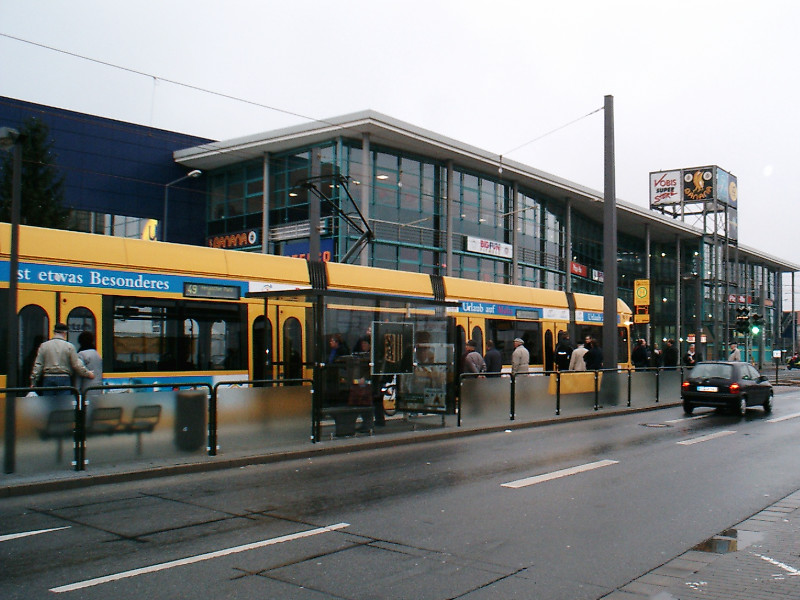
(695,82)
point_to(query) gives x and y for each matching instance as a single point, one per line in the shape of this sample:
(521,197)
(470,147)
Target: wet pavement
(757,559)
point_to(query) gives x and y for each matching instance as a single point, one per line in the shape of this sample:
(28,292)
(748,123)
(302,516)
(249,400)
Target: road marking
(194,559)
(558,474)
(789,569)
(705,438)
(22,534)
(783,418)
(704,416)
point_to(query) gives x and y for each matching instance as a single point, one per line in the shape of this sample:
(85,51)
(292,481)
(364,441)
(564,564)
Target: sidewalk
(757,559)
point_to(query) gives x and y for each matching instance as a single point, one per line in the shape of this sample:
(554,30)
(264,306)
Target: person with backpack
(563,353)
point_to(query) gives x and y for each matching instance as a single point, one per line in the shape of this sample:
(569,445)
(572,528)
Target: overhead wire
(213,144)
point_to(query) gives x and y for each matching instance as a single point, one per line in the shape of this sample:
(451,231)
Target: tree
(42,184)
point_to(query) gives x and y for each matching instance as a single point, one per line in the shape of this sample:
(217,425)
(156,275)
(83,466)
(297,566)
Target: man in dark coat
(640,357)
(493,360)
(670,354)
(594,357)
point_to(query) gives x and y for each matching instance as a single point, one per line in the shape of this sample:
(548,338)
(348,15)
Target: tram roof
(393,133)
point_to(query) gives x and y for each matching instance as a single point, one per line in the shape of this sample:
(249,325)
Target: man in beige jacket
(57,361)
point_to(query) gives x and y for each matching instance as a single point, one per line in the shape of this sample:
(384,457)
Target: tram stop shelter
(361,346)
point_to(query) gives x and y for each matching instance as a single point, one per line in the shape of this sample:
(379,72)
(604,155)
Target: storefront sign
(578,269)
(241,239)
(489,247)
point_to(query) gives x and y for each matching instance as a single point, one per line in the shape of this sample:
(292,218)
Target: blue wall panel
(119,168)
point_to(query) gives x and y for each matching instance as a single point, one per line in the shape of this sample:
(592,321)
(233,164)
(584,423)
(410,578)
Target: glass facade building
(434,205)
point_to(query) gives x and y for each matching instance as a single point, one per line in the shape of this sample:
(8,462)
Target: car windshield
(712,370)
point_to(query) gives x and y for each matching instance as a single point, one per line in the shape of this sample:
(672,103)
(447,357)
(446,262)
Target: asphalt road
(572,511)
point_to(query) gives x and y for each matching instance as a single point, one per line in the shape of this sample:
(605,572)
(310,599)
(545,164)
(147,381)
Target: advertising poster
(665,188)
(698,184)
(727,190)
(393,348)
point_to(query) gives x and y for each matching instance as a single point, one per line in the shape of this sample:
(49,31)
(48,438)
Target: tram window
(80,319)
(477,337)
(503,333)
(34,328)
(590,331)
(163,335)
(261,342)
(292,349)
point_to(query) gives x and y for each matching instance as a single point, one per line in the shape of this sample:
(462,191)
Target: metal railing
(544,394)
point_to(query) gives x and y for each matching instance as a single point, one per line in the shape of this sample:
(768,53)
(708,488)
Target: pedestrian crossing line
(519,483)
(783,418)
(13,536)
(195,559)
(705,438)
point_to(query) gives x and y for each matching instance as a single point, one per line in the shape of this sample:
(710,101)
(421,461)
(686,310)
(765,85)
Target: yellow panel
(173,257)
(64,246)
(464,289)
(595,303)
(357,278)
(249,265)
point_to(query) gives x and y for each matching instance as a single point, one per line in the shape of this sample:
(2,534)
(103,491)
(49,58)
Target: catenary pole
(609,242)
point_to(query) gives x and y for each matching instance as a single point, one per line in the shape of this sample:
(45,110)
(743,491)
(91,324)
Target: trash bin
(190,419)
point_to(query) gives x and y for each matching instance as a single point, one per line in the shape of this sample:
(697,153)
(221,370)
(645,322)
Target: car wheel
(687,408)
(768,404)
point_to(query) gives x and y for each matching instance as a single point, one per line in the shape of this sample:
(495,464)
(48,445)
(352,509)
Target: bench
(145,418)
(105,420)
(60,426)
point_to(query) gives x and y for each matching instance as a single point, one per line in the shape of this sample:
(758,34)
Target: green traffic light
(755,329)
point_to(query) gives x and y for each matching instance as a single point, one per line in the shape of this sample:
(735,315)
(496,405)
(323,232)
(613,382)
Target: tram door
(550,341)
(40,311)
(261,340)
(475,334)
(291,347)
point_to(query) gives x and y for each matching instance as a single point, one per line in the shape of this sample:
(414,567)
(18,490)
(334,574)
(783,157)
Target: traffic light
(742,320)
(756,324)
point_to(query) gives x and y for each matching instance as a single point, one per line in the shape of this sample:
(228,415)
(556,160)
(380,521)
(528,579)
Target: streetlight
(10,138)
(189,175)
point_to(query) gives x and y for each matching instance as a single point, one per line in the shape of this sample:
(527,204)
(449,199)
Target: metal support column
(449,227)
(265,205)
(514,279)
(568,246)
(366,188)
